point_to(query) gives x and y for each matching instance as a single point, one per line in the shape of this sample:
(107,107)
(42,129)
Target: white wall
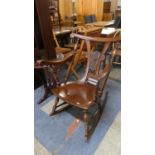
(114,4)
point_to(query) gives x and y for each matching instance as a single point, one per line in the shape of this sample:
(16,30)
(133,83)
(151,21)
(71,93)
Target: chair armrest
(62,58)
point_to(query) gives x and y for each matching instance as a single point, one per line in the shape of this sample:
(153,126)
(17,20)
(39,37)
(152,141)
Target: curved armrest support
(58,61)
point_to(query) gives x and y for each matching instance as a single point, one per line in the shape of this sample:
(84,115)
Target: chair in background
(107,16)
(80,57)
(86,93)
(68,22)
(59,49)
(90,19)
(72,41)
(93,18)
(80,19)
(117,23)
(87,19)
(80,50)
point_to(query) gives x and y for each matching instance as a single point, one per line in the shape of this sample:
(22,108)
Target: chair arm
(62,58)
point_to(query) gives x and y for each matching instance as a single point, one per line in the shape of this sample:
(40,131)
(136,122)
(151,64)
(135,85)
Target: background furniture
(89,19)
(93,18)
(58,48)
(104,23)
(117,46)
(107,16)
(117,23)
(54,12)
(44,46)
(107,6)
(62,35)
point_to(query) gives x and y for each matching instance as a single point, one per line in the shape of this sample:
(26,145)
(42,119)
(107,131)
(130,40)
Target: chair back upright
(97,68)
(117,23)
(87,19)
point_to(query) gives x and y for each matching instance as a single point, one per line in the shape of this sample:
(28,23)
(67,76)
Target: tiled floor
(63,133)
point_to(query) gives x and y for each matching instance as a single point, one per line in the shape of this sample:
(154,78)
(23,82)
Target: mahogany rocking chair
(87,92)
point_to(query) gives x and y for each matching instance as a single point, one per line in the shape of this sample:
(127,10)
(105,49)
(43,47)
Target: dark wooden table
(102,23)
(62,34)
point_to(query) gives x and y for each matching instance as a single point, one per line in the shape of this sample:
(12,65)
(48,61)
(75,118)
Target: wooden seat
(86,93)
(82,99)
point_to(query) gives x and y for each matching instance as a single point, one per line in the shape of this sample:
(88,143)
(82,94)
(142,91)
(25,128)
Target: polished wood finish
(56,63)
(43,13)
(102,23)
(107,6)
(117,45)
(89,29)
(80,47)
(44,45)
(58,48)
(46,76)
(107,16)
(86,92)
(54,12)
(80,56)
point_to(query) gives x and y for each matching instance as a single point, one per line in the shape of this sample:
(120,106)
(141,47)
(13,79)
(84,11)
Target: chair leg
(91,123)
(86,124)
(101,106)
(46,93)
(89,129)
(105,99)
(56,105)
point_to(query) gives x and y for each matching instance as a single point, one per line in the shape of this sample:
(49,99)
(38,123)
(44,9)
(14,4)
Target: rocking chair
(86,93)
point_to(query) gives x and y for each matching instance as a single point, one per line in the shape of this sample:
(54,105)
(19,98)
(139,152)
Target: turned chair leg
(94,118)
(105,99)
(46,93)
(86,124)
(55,106)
